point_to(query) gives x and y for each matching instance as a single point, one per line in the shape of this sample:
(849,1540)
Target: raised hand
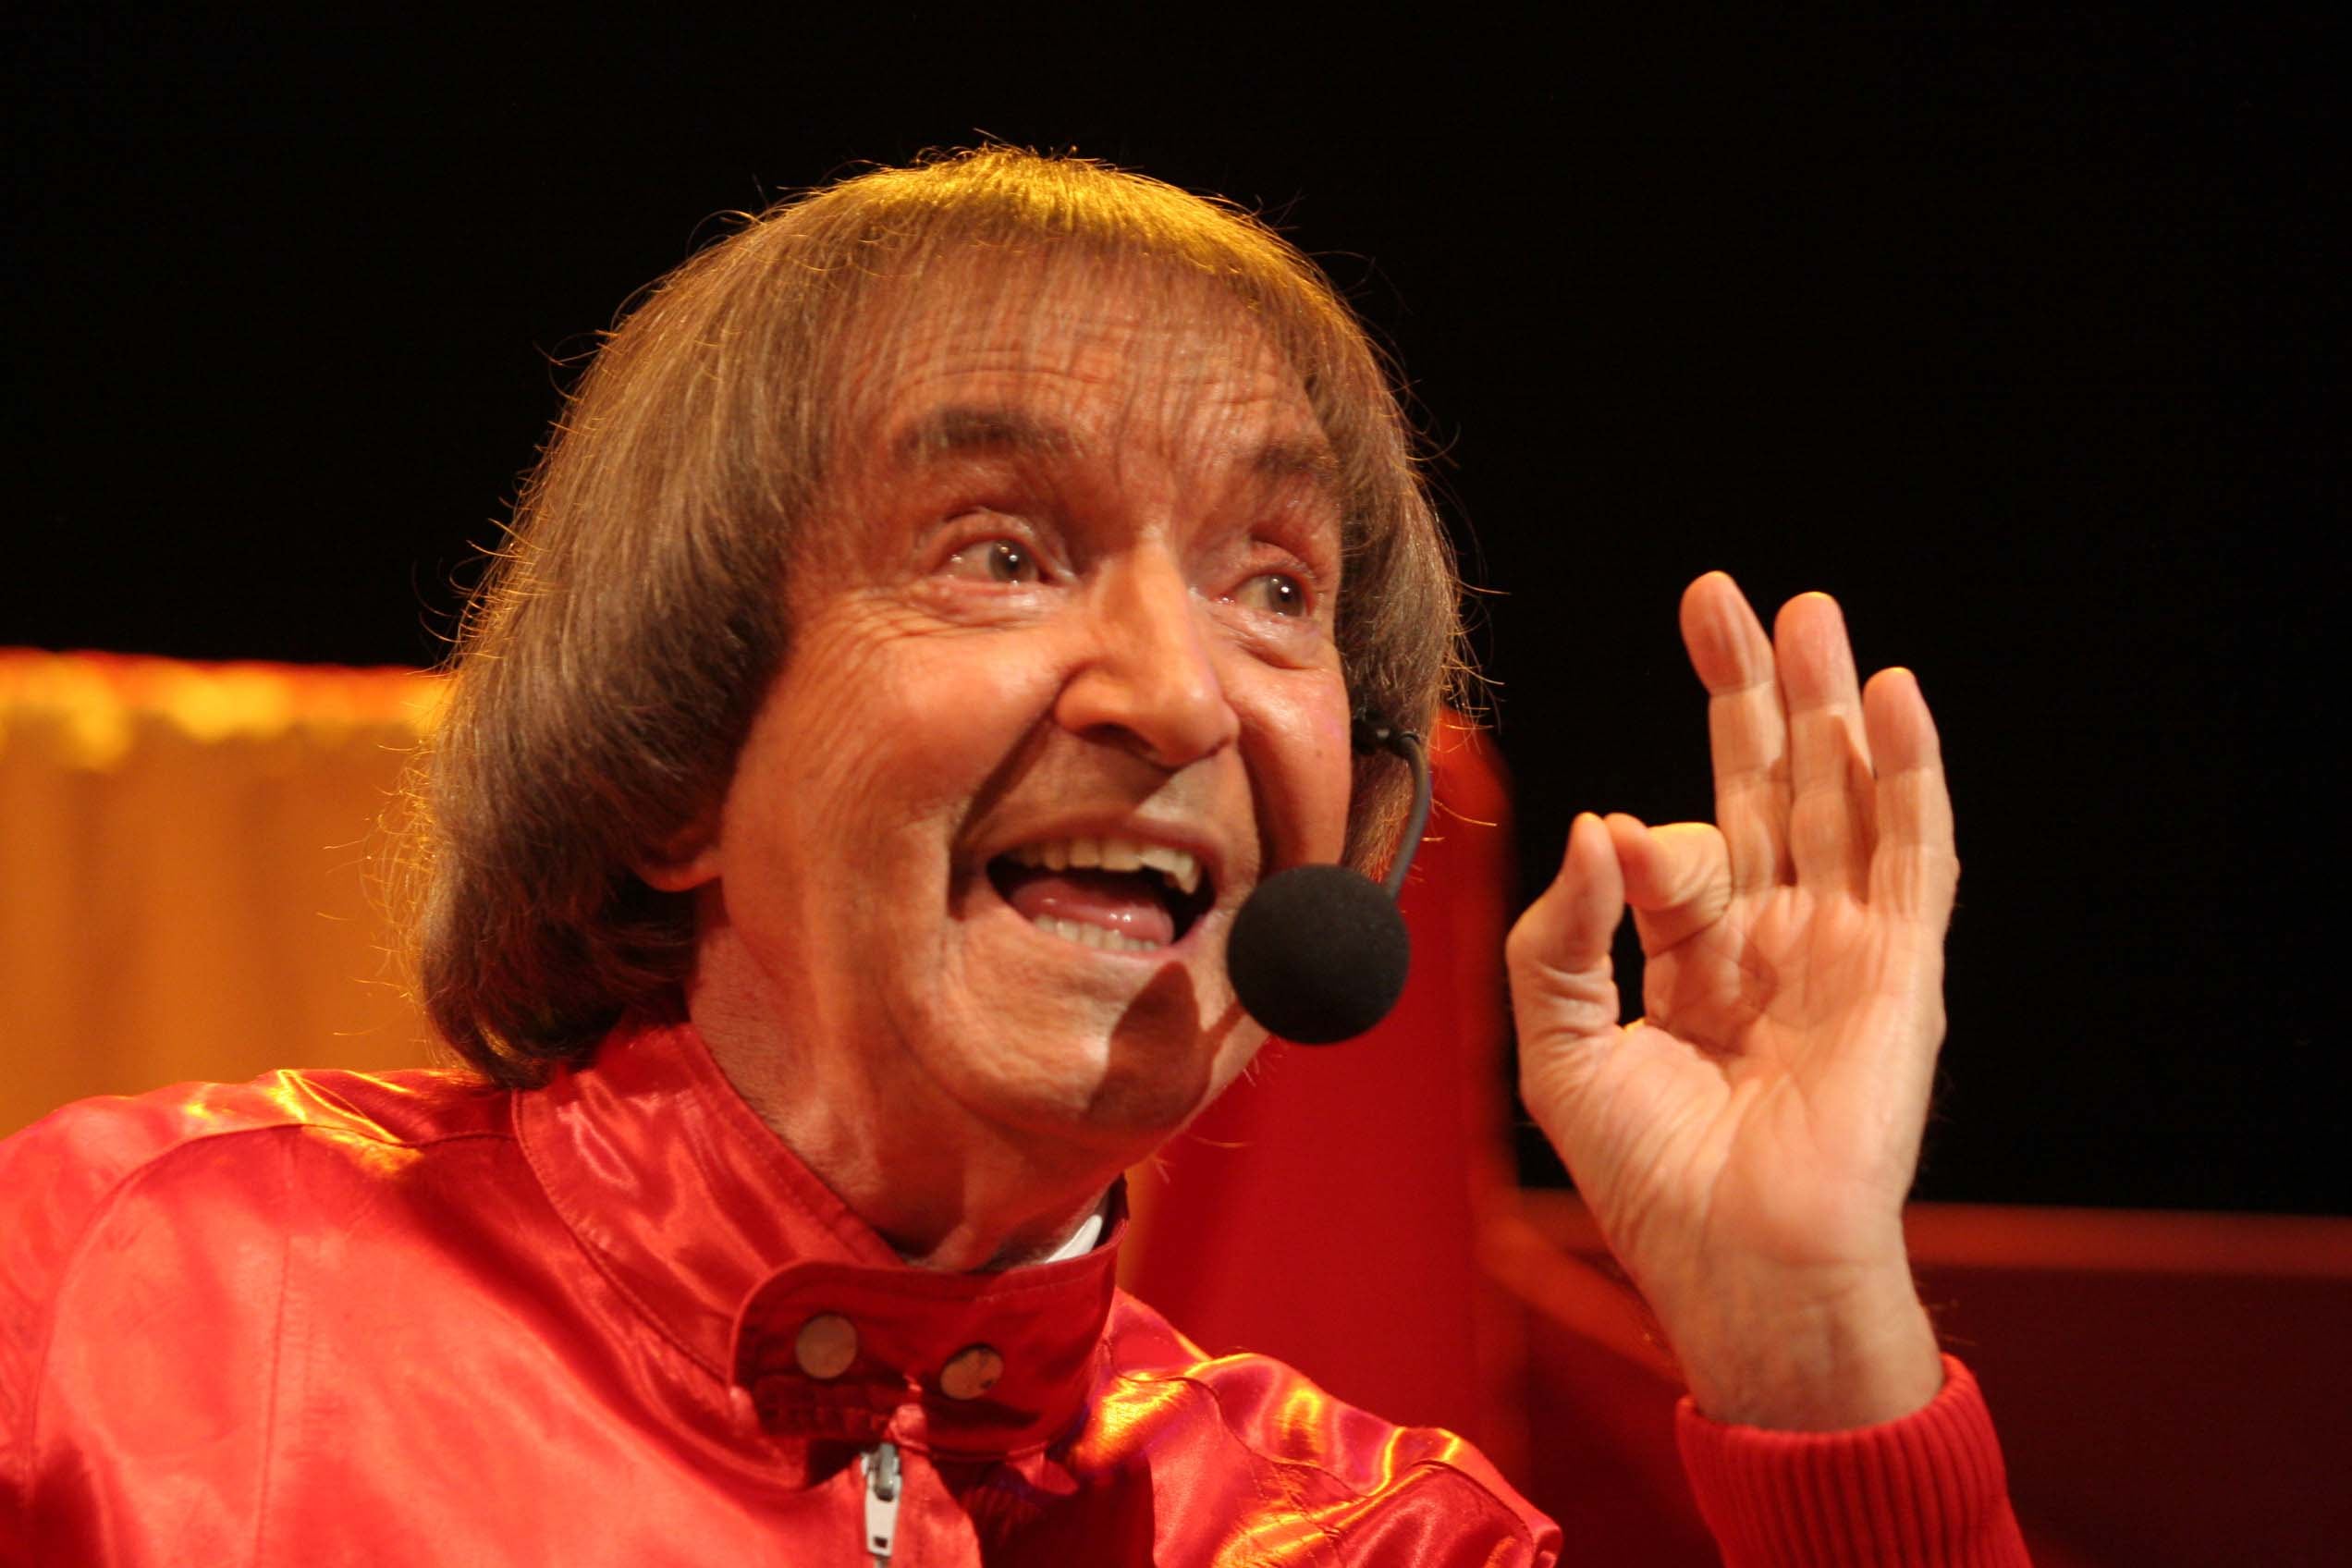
(1747,1144)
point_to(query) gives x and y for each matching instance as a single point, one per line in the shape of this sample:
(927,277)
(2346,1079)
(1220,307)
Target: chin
(1125,1090)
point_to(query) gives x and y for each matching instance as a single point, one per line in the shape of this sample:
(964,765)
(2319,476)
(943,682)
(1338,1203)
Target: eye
(1275,592)
(996,560)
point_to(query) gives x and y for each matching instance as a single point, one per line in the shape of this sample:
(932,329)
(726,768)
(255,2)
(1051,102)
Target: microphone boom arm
(1374,735)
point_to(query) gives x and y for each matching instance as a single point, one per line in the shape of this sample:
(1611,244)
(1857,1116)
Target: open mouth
(1114,894)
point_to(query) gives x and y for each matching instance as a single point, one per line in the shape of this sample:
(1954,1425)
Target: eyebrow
(964,430)
(960,430)
(1309,458)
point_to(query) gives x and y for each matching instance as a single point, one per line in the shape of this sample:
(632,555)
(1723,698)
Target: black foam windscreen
(1319,954)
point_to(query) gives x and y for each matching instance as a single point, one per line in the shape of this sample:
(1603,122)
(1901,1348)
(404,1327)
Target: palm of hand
(1764,1118)
(1757,1109)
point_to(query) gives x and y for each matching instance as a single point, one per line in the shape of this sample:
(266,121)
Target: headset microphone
(1318,953)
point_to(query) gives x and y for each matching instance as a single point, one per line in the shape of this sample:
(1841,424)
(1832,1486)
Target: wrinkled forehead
(1056,351)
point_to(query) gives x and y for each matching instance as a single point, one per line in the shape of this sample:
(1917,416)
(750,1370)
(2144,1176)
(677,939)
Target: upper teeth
(1182,868)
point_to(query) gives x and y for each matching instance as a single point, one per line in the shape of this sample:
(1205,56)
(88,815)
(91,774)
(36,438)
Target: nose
(1149,679)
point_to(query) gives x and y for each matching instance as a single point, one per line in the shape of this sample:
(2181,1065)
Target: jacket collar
(735,1252)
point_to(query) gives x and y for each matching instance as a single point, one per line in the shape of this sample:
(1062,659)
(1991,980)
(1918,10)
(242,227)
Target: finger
(1561,981)
(1746,728)
(1678,878)
(1915,869)
(1831,785)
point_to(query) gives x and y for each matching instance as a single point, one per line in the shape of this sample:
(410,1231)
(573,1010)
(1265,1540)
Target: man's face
(1072,601)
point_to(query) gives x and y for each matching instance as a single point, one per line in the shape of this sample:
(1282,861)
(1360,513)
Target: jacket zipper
(882,1488)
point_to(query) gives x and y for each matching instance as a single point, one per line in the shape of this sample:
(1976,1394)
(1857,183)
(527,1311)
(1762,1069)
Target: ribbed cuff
(1927,1489)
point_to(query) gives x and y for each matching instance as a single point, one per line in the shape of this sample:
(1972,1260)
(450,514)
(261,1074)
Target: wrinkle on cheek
(840,668)
(897,711)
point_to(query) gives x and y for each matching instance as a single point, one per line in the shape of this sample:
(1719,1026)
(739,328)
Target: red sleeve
(1928,1490)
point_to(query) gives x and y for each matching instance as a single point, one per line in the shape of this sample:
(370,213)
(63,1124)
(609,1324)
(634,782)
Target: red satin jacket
(326,1318)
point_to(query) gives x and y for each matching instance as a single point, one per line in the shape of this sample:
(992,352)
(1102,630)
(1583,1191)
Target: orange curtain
(183,872)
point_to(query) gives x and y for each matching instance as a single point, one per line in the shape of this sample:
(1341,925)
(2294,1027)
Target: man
(943,604)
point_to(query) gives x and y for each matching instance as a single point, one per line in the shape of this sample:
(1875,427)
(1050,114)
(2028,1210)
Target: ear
(687,860)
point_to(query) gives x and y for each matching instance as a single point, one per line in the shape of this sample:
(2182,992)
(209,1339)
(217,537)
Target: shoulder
(91,1145)
(149,1244)
(195,1146)
(1361,1483)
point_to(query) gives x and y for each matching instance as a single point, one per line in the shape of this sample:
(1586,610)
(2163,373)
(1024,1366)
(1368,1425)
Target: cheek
(947,714)
(887,728)
(1306,766)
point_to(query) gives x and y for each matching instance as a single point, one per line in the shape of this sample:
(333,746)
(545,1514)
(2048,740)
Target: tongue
(1127,903)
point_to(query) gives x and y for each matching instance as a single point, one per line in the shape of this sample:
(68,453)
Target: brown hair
(609,664)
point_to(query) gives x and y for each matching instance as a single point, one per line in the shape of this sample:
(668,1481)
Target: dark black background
(2024,343)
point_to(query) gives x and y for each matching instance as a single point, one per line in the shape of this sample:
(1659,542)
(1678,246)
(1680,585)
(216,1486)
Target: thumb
(1563,984)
